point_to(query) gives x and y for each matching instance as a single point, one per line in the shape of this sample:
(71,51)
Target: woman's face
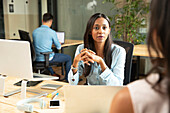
(100,30)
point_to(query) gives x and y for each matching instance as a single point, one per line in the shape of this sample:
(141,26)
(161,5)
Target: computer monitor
(15,59)
(61,36)
(89,99)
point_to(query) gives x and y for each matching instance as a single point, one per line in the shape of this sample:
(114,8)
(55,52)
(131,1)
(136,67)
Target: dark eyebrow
(96,24)
(99,25)
(104,25)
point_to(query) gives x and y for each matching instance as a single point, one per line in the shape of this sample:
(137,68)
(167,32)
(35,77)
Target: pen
(55,96)
(51,94)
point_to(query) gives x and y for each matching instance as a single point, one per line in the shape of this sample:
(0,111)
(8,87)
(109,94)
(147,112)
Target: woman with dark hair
(152,94)
(98,59)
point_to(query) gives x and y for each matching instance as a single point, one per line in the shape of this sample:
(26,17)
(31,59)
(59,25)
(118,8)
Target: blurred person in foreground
(151,95)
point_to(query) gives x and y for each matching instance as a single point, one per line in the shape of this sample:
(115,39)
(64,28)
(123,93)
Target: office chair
(128,63)
(41,67)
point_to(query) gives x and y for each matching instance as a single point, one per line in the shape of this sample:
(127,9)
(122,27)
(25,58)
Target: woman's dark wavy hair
(160,24)
(89,42)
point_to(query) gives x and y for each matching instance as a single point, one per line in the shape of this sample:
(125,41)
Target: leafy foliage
(129,16)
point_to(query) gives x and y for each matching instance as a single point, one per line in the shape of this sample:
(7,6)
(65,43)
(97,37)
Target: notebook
(15,60)
(89,99)
(61,36)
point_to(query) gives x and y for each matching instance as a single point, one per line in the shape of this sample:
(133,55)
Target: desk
(69,42)
(5,108)
(141,50)
(8,105)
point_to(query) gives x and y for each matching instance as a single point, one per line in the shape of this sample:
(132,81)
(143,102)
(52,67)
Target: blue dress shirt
(43,38)
(111,77)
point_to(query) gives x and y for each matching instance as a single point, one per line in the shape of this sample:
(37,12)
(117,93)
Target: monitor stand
(2,82)
(23,89)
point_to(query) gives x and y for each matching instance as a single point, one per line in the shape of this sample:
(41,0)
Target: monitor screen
(61,36)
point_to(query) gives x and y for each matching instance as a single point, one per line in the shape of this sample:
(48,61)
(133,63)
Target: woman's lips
(100,37)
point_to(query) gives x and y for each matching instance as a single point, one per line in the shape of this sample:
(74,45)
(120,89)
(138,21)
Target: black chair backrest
(128,64)
(25,37)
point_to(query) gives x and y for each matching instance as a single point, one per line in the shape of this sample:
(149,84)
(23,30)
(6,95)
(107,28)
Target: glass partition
(73,15)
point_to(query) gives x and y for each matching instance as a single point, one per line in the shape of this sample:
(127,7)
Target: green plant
(128,17)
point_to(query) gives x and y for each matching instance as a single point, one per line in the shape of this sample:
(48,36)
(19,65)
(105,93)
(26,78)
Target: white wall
(44,6)
(24,17)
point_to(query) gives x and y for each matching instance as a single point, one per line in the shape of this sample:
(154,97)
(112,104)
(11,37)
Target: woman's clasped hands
(87,56)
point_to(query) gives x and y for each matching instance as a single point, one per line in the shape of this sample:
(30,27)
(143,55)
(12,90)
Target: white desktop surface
(12,100)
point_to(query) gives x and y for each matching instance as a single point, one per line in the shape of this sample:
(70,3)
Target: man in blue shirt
(43,38)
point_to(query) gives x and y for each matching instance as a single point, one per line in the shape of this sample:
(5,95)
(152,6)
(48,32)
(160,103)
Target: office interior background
(70,16)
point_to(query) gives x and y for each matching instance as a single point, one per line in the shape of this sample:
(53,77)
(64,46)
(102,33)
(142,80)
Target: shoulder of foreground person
(122,102)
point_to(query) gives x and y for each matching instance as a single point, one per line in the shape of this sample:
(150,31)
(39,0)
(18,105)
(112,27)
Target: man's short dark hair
(47,17)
